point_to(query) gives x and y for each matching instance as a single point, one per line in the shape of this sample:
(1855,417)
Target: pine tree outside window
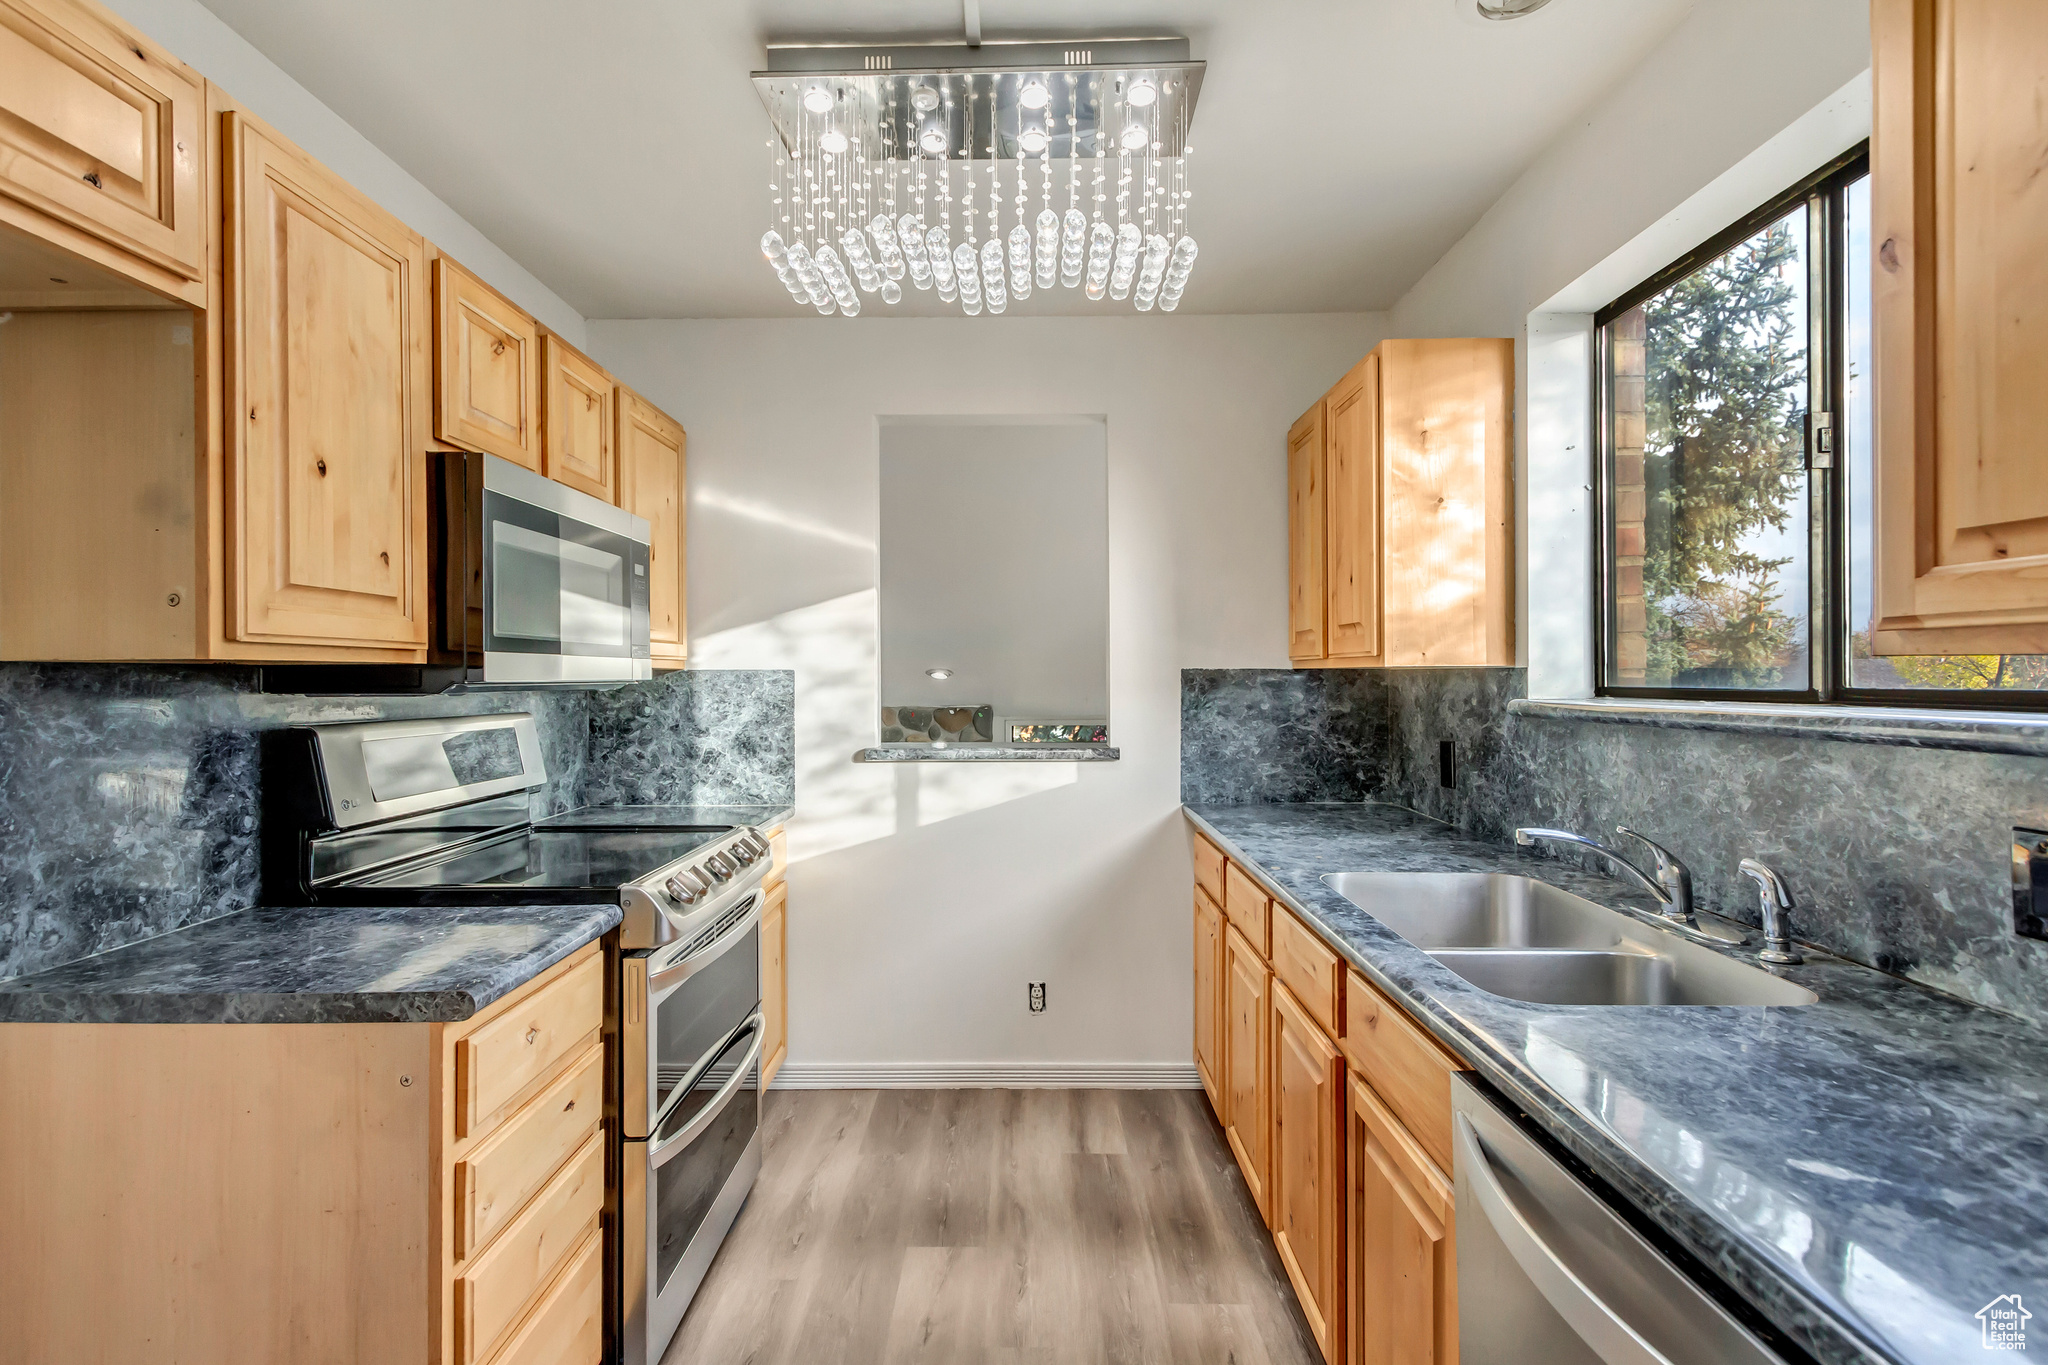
(1735,472)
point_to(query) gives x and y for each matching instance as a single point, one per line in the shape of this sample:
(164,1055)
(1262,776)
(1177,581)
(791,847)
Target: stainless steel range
(437,812)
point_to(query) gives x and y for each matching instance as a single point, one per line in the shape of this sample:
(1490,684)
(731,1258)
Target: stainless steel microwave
(535,583)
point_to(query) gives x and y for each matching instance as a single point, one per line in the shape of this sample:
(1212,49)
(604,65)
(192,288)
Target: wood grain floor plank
(1012,1227)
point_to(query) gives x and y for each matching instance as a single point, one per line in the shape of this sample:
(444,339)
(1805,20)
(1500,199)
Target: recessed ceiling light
(832,143)
(924,99)
(818,100)
(1032,141)
(934,140)
(940,673)
(1135,137)
(1142,94)
(1034,95)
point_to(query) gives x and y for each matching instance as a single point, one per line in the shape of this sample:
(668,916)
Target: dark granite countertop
(1866,1172)
(321,965)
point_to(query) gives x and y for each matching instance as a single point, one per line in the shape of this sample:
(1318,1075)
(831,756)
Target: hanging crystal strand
(992,273)
(1101,237)
(940,249)
(910,230)
(1177,270)
(968,274)
(1074,228)
(772,248)
(864,271)
(812,278)
(836,281)
(1153,271)
(1128,240)
(1048,222)
(1020,262)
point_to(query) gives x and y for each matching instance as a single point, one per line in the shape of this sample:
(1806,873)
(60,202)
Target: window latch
(1820,440)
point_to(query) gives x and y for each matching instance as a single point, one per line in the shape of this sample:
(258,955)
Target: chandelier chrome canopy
(1067,163)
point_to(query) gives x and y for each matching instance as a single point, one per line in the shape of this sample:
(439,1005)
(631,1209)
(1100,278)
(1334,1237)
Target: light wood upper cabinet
(327,396)
(1308,1167)
(1353,413)
(1401,1243)
(1960,325)
(578,427)
(1414,553)
(1307,465)
(1208,995)
(651,485)
(486,369)
(1247,1098)
(101,143)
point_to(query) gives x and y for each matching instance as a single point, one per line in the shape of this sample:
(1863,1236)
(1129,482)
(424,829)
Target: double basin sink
(1529,940)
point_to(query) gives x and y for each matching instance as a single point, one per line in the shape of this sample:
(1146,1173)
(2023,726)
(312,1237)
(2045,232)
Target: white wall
(193,35)
(923,897)
(1741,101)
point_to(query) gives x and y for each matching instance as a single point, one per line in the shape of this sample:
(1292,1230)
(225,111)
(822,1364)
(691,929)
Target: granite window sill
(1992,732)
(989,753)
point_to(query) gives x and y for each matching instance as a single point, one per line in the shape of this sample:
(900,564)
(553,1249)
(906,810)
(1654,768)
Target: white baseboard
(987,1076)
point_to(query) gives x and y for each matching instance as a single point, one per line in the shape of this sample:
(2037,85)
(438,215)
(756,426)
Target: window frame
(1829,631)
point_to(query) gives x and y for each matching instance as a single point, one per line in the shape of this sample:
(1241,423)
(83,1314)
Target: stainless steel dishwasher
(1547,1272)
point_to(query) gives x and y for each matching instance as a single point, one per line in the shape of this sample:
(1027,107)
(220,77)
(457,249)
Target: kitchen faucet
(1672,885)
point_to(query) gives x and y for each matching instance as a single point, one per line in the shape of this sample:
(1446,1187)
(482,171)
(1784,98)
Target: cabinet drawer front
(101,130)
(1209,868)
(493,1182)
(494,1289)
(1248,907)
(567,1325)
(1407,1068)
(1310,967)
(504,1057)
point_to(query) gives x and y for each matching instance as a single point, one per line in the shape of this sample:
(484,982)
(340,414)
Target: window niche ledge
(989,753)
(1991,732)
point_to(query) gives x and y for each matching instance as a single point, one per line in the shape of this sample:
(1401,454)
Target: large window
(1735,468)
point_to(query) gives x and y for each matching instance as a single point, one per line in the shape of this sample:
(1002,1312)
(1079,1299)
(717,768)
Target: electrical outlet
(1447,763)
(1038,997)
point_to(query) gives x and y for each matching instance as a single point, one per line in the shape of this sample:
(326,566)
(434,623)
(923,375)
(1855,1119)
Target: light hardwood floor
(1054,1227)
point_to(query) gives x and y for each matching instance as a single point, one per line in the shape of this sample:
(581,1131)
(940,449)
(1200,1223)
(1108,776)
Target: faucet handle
(1666,860)
(1776,902)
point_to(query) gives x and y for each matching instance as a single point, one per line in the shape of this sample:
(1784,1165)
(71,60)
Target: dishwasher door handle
(1605,1331)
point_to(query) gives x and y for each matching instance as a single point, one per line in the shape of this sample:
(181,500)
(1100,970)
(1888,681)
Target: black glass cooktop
(575,864)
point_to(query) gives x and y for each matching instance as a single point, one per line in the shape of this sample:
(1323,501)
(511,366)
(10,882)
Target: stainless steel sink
(1528,940)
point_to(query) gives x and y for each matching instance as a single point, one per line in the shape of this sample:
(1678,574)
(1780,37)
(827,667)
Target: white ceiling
(617,149)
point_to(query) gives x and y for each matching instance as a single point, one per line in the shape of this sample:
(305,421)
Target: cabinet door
(1402,1244)
(1308,1167)
(1307,522)
(327,405)
(1448,573)
(486,369)
(1960,326)
(1208,995)
(774,982)
(1352,417)
(1247,1094)
(577,425)
(100,130)
(651,486)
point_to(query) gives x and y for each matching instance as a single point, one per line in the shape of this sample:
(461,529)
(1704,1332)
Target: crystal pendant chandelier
(985,173)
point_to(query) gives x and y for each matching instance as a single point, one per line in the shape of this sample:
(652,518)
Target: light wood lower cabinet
(1402,1243)
(1247,1021)
(1308,1167)
(774,981)
(1337,1106)
(1209,996)
(242,1194)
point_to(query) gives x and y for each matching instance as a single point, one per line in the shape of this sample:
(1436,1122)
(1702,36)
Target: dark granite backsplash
(129,795)
(724,738)
(1896,856)
(1253,736)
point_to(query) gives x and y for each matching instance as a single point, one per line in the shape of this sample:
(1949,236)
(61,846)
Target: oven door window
(554,585)
(693,1018)
(724,1104)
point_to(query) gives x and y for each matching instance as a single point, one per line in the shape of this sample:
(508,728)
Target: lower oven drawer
(493,1290)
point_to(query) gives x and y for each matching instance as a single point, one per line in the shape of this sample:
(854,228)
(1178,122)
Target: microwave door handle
(1605,1331)
(659,1153)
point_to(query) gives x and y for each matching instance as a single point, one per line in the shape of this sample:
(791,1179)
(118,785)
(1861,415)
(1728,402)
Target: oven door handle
(660,983)
(659,1153)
